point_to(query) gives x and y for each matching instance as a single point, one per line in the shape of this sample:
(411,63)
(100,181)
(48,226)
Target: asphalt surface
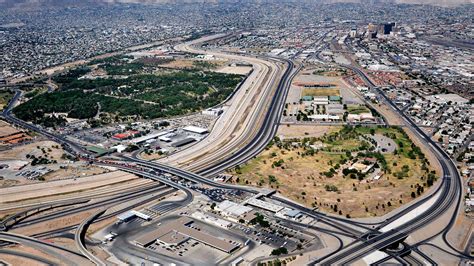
(450,190)
(450,194)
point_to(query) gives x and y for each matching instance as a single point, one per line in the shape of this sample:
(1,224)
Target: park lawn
(350,144)
(357,109)
(321,92)
(401,139)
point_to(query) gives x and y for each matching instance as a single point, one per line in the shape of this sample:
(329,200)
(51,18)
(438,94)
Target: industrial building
(182,142)
(196,130)
(212,220)
(143,139)
(213,111)
(97,150)
(179,231)
(125,135)
(324,117)
(232,209)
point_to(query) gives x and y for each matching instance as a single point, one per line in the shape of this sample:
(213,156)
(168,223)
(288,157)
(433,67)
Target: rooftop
(180,229)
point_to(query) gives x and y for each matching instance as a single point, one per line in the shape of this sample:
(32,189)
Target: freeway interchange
(242,134)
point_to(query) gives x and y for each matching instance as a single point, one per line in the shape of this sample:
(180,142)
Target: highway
(250,143)
(60,253)
(80,235)
(448,195)
(259,140)
(243,115)
(125,197)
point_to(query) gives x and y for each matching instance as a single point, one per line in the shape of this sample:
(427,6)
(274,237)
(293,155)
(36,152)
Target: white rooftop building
(264,205)
(233,209)
(197,130)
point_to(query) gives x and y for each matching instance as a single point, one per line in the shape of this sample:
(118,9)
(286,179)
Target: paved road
(265,134)
(62,254)
(448,195)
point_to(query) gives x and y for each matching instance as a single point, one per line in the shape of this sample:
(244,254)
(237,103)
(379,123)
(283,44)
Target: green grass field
(357,109)
(321,92)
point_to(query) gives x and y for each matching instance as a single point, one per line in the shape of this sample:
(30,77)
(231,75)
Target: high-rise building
(388,28)
(372,31)
(353,32)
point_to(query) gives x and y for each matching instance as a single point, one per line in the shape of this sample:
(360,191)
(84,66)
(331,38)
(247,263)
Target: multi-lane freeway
(399,226)
(238,144)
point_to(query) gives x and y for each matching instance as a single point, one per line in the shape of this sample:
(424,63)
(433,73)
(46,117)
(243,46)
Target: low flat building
(335,98)
(178,231)
(97,150)
(324,117)
(142,139)
(183,142)
(264,205)
(288,213)
(196,130)
(307,98)
(445,98)
(212,220)
(172,239)
(125,135)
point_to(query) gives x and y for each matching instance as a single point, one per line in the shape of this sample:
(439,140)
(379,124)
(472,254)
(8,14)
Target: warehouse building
(145,138)
(183,142)
(196,130)
(232,209)
(179,231)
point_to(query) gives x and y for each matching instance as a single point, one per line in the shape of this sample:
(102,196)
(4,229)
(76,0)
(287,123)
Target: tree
(272,179)
(279,251)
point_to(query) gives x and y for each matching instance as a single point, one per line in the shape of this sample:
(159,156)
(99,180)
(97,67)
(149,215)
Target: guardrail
(79,237)
(10,221)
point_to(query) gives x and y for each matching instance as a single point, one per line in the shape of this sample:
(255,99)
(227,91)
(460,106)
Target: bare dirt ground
(294,94)
(6,129)
(301,131)
(239,70)
(55,224)
(53,151)
(191,63)
(25,192)
(179,64)
(153,156)
(461,232)
(74,171)
(15,260)
(301,178)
